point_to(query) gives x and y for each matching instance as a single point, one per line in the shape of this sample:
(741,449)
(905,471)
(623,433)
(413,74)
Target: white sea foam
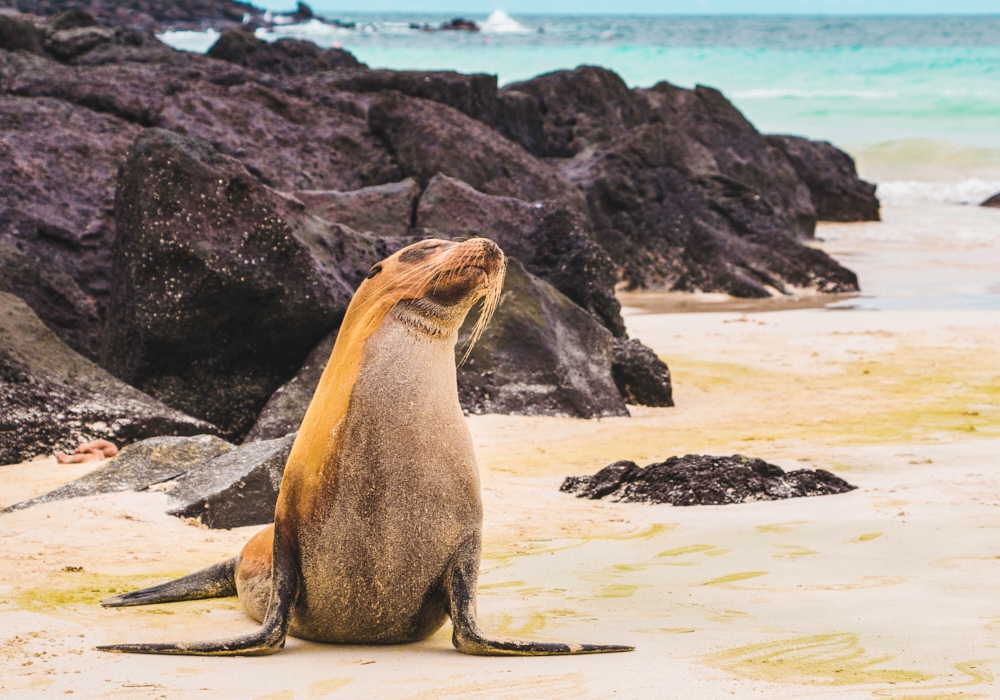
(971,190)
(197,42)
(785,93)
(320,33)
(499,22)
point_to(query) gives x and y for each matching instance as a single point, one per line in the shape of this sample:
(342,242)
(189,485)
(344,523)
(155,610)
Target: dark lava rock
(53,295)
(460,24)
(53,399)
(430,138)
(838,194)
(540,355)
(221,286)
(474,95)
(67,44)
(19,34)
(700,202)
(549,238)
(993,201)
(572,109)
(642,378)
(237,488)
(695,480)
(149,15)
(139,466)
(386,210)
(74,18)
(286,408)
(281,57)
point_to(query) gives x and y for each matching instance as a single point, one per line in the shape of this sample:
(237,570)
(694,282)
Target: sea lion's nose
(491,251)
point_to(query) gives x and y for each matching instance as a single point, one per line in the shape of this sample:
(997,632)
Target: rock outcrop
(281,57)
(695,480)
(559,114)
(236,488)
(221,288)
(428,138)
(549,238)
(541,355)
(17,34)
(642,378)
(993,201)
(837,193)
(286,408)
(206,478)
(138,467)
(676,216)
(52,399)
(386,210)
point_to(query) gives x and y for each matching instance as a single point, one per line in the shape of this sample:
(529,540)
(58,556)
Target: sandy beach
(889,591)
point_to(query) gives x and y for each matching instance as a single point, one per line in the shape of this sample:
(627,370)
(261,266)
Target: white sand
(890,591)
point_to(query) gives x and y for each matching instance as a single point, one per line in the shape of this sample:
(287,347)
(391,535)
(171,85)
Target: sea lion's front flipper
(469,639)
(268,640)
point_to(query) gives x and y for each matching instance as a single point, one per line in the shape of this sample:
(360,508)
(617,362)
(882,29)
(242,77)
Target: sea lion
(377,530)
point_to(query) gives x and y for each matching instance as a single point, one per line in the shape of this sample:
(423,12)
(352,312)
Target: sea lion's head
(436,282)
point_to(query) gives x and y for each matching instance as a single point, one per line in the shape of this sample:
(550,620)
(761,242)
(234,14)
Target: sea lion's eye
(374,271)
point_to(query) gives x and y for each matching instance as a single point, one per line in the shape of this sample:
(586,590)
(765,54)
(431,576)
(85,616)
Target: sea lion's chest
(406,491)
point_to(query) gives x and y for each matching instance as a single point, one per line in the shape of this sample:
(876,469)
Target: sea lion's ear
(374,271)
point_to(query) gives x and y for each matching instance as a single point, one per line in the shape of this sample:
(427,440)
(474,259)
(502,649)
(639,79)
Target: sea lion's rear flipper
(469,639)
(216,581)
(269,639)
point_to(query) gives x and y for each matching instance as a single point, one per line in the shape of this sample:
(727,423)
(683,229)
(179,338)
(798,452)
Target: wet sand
(889,591)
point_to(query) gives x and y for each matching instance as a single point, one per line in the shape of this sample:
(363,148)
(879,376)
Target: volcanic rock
(540,355)
(153,15)
(430,138)
(475,94)
(19,34)
(221,286)
(52,399)
(281,57)
(993,201)
(286,408)
(549,238)
(676,214)
(238,487)
(642,378)
(138,467)
(838,194)
(67,44)
(386,210)
(460,24)
(73,18)
(702,480)
(577,108)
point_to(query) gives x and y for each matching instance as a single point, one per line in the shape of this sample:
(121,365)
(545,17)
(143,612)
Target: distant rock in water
(282,57)
(52,399)
(460,24)
(837,192)
(993,201)
(695,480)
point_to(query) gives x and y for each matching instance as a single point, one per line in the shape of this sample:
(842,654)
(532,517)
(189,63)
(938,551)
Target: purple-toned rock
(281,57)
(52,399)
(642,378)
(428,138)
(549,238)
(837,193)
(19,34)
(572,109)
(993,201)
(698,201)
(386,210)
(222,287)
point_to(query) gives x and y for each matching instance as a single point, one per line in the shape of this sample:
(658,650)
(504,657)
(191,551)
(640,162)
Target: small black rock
(704,480)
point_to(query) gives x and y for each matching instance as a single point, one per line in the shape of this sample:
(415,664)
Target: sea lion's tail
(216,581)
